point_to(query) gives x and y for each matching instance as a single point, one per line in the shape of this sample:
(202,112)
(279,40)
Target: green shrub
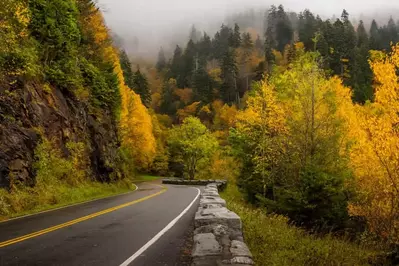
(60,181)
(273,241)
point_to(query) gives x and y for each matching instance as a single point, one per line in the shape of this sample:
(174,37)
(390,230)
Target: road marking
(162,232)
(67,206)
(84,218)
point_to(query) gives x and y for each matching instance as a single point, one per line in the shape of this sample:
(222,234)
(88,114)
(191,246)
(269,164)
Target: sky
(156,22)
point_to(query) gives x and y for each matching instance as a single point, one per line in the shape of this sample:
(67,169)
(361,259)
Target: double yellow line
(84,218)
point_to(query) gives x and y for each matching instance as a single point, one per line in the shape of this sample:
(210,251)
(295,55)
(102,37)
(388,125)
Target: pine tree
(177,65)
(161,63)
(127,69)
(167,104)
(392,32)
(195,35)
(307,28)
(235,37)
(362,74)
(141,87)
(284,31)
(202,83)
(375,37)
(221,42)
(362,37)
(259,45)
(204,47)
(189,62)
(228,90)
(247,42)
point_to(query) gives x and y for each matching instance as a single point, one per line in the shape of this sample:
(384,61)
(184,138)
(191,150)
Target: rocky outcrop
(29,112)
(218,237)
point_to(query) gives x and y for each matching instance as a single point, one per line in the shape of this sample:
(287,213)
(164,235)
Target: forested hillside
(301,118)
(67,118)
(299,114)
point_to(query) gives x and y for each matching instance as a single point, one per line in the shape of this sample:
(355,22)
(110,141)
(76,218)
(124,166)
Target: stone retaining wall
(176,181)
(218,238)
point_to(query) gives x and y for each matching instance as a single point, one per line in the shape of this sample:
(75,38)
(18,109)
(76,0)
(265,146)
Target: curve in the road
(161,233)
(75,221)
(157,231)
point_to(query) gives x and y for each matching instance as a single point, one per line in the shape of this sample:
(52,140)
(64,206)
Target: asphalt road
(107,231)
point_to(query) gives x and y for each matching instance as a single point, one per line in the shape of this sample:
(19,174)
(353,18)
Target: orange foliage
(375,155)
(224,115)
(185,95)
(135,123)
(189,110)
(253,32)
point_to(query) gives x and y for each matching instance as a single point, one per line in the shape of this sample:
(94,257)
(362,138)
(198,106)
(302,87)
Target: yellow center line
(84,218)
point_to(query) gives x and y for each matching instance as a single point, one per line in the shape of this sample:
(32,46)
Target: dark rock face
(61,118)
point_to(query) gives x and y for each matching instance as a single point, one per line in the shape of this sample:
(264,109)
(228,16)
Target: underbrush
(273,241)
(31,200)
(60,182)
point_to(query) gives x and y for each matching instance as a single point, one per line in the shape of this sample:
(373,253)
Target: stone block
(239,249)
(206,245)
(211,206)
(212,200)
(209,194)
(217,216)
(238,261)
(216,229)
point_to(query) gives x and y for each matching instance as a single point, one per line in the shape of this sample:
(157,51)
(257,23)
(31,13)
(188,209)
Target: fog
(146,25)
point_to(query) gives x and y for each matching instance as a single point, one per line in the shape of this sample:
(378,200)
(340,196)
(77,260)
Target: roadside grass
(273,241)
(25,201)
(146,178)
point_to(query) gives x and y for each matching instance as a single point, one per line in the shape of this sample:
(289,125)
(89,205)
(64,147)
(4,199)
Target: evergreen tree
(221,42)
(392,32)
(127,69)
(177,66)
(348,50)
(284,30)
(202,83)
(362,74)
(375,37)
(307,28)
(204,47)
(161,63)
(362,37)
(168,101)
(141,87)
(259,45)
(247,42)
(228,90)
(195,35)
(270,38)
(235,37)
(189,63)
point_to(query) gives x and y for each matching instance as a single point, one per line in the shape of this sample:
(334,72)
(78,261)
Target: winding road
(150,226)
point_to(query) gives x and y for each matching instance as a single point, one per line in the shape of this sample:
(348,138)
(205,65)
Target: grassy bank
(274,242)
(32,200)
(146,178)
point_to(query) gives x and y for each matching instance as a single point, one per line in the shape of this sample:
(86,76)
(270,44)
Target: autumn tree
(293,141)
(192,142)
(375,152)
(257,140)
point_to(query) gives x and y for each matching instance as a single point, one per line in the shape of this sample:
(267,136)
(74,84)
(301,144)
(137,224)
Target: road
(147,227)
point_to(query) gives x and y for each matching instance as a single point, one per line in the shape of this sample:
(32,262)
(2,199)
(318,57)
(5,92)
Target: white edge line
(162,232)
(67,206)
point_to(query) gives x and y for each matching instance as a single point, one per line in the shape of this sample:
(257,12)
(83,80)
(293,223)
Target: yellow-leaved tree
(375,154)
(135,124)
